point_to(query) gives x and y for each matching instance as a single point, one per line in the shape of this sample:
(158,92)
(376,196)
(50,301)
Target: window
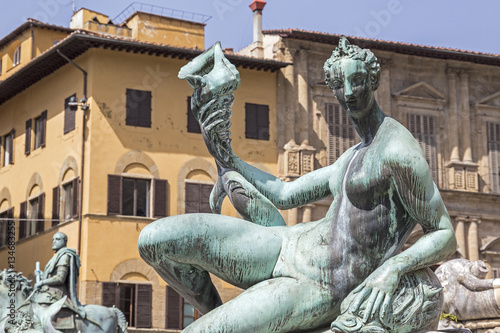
(134,300)
(138,108)
(8,148)
(65,202)
(340,132)
(179,312)
(135,197)
(6,218)
(422,128)
(69,115)
(257,121)
(197,197)
(16,59)
(193,125)
(132,196)
(31,218)
(494,155)
(40,130)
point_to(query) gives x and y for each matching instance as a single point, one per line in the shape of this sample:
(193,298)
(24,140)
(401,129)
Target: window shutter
(138,108)
(145,109)
(173,316)
(143,306)
(192,198)
(494,155)
(11,146)
(340,132)
(193,124)
(132,117)
(109,294)
(423,129)
(40,215)
(27,145)
(69,115)
(114,195)
(75,197)
(263,122)
(55,205)
(251,131)
(160,198)
(205,190)
(22,219)
(43,128)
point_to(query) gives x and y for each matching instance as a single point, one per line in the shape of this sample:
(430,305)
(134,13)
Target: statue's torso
(366,222)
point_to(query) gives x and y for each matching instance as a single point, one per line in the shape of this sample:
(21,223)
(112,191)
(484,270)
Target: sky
(466,25)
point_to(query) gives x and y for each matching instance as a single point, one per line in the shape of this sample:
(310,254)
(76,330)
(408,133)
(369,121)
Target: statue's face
(58,242)
(352,87)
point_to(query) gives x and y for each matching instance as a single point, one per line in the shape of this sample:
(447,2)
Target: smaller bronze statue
(60,277)
(53,305)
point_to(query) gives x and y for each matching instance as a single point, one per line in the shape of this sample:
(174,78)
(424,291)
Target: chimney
(257,49)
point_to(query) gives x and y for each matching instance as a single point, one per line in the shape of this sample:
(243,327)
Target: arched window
(16,59)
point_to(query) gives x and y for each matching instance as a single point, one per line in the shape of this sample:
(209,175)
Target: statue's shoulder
(64,260)
(400,148)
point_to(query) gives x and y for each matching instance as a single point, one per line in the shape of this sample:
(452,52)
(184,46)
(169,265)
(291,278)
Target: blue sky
(467,25)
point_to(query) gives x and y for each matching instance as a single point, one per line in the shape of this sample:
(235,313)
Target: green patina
(345,270)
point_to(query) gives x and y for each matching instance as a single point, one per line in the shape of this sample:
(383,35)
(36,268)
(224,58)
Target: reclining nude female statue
(347,267)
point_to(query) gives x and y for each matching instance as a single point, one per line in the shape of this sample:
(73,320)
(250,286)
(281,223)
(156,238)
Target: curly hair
(347,51)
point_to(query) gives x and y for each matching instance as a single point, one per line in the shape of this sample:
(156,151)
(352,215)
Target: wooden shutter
(143,305)
(173,318)
(10,216)
(205,190)
(193,126)
(340,132)
(27,145)
(69,115)
(114,195)
(43,128)
(138,108)
(494,155)
(263,122)
(40,214)
(423,129)
(11,146)
(55,205)
(251,131)
(160,188)
(109,293)
(75,197)
(145,109)
(192,198)
(23,212)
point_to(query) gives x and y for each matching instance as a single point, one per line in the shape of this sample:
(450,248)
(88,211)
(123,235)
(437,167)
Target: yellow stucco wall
(166,30)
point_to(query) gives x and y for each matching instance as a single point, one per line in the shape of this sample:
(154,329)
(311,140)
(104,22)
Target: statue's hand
(215,128)
(38,285)
(377,290)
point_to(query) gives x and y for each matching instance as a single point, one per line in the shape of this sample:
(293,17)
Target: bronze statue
(60,277)
(302,277)
(53,304)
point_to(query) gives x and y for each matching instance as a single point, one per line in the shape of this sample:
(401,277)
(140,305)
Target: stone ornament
(346,270)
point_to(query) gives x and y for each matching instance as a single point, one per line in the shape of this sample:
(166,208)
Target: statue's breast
(367,182)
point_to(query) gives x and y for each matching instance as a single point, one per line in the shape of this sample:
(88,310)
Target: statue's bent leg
(277,305)
(184,248)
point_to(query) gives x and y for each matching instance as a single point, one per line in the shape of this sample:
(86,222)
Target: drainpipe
(84,108)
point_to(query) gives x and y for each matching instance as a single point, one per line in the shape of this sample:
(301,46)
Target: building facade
(98,141)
